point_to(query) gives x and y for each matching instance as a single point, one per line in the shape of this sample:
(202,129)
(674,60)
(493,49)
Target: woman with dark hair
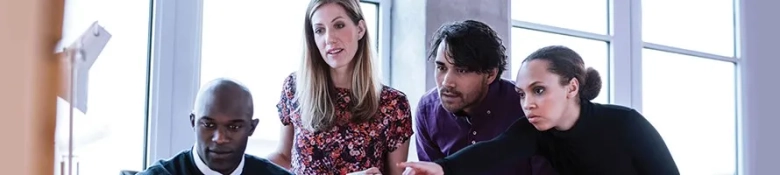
(563,125)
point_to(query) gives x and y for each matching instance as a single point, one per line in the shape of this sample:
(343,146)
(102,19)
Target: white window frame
(174,76)
(626,44)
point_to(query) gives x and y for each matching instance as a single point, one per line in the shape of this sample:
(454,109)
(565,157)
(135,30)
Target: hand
(421,168)
(370,171)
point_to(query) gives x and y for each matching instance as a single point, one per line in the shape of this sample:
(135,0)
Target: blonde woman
(338,118)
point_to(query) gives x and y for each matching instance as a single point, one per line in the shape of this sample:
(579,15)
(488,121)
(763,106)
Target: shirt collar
(208,171)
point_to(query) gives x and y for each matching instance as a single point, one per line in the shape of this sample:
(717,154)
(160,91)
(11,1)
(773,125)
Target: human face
(336,35)
(542,96)
(459,89)
(222,136)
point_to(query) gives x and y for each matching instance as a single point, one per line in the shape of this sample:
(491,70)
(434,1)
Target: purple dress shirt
(441,133)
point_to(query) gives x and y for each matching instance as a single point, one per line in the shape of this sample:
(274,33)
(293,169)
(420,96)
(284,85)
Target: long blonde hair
(315,93)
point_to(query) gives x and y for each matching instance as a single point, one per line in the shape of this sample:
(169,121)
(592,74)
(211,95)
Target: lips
(448,93)
(334,51)
(533,118)
(218,153)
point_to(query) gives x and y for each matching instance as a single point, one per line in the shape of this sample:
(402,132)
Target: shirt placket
(474,129)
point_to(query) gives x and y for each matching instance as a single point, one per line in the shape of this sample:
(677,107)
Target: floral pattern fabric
(348,146)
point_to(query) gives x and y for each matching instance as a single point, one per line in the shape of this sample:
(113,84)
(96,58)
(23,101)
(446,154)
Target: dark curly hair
(473,45)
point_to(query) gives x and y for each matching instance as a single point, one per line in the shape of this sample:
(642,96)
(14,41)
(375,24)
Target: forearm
(516,142)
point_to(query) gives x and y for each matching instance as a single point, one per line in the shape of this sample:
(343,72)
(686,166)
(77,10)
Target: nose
(330,37)
(528,103)
(446,82)
(220,137)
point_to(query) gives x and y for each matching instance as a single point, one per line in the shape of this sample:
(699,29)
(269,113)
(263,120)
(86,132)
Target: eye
(463,71)
(318,30)
(440,68)
(340,25)
(208,125)
(235,127)
(522,95)
(538,90)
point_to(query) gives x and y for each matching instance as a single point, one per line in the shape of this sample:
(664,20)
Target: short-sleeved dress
(348,147)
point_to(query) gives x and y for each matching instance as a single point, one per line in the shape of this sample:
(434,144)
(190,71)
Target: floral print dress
(347,147)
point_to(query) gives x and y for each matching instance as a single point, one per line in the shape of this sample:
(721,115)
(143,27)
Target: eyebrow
(531,85)
(439,63)
(334,19)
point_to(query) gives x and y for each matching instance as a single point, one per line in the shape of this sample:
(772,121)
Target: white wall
(761,143)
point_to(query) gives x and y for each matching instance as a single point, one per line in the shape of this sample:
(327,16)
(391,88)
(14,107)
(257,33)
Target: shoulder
(259,165)
(506,90)
(613,110)
(429,99)
(618,115)
(392,96)
(288,88)
(155,169)
(170,166)
(427,106)
(290,79)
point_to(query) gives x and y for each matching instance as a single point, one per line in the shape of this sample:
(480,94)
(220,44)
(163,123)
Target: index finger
(414,165)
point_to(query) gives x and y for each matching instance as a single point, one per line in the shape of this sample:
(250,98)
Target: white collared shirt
(208,171)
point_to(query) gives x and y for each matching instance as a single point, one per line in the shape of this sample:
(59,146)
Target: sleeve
(648,149)
(399,124)
(427,150)
(284,106)
(517,142)
(155,169)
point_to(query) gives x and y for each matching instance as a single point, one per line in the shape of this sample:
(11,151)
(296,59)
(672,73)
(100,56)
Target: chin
(451,108)
(542,126)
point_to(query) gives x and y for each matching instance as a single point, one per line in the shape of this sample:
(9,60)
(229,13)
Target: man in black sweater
(222,121)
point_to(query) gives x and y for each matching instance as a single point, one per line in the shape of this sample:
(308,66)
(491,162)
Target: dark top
(441,133)
(605,140)
(184,164)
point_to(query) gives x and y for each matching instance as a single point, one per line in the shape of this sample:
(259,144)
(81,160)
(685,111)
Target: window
(691,102)
(584,15)
(593,52)
(117,87)
(709,29)
(689,82)
(259,45)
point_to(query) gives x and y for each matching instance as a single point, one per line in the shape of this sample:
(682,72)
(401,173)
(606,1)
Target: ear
(492,75)
(253,127)
(361,29)
(573,88)
(192,120)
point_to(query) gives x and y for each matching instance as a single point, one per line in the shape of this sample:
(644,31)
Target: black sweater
(605,140)
(183,164)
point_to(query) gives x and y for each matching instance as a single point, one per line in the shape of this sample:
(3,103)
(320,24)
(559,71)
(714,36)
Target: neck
(570,117)
(341,77)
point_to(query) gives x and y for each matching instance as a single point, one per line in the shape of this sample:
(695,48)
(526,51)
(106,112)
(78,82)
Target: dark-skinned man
(222,122)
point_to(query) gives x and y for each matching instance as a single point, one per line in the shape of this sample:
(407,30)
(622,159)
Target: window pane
(238,43)
(691,102)
(110,136)
(695,25)
(585,15)
(370,13)
(594,53)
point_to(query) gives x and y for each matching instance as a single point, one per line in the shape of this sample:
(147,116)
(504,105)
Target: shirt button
(488,112)
(473,142)
(474,133)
